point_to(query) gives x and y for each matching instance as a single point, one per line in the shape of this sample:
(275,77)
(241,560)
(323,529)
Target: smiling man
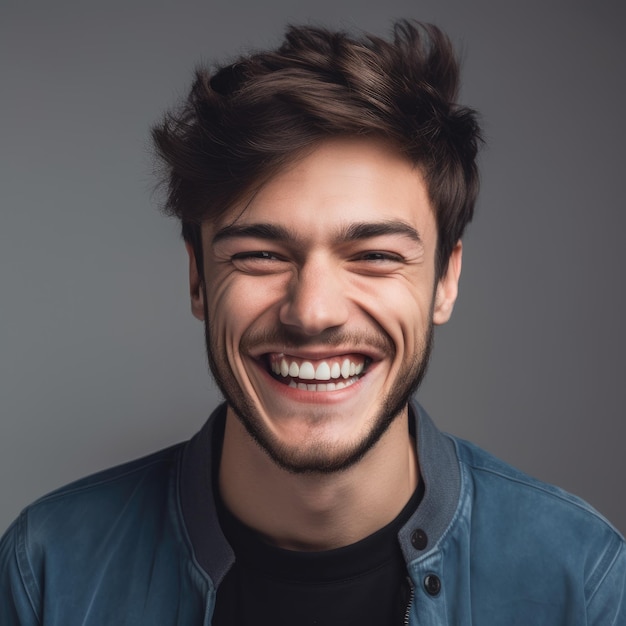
(323,190)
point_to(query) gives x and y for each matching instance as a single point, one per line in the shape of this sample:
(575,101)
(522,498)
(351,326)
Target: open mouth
(329,374)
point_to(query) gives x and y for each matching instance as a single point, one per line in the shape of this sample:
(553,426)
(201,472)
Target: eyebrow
(369,230)
(352,232)
(257,231)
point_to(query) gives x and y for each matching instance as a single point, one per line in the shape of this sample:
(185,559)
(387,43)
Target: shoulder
(117,497)
(118,520)
(93,512)
(495,480)
(520,523)
(105,494)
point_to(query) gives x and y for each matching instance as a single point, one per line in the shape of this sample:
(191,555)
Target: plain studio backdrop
(100,358)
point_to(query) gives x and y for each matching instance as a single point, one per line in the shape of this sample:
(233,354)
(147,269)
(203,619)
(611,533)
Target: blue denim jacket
(140,544)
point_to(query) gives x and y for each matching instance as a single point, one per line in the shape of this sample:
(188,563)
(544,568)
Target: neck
(315,511)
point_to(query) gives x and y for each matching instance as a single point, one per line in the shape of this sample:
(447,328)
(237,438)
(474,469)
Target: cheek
(401,309)
(237,302)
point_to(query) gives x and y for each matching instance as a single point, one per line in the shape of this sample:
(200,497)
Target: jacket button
(432,584)
(419,539)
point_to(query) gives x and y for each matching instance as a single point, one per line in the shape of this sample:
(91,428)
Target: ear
(448,287)
(196,287)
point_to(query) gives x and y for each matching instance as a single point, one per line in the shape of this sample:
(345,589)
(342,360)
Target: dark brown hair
(242,122)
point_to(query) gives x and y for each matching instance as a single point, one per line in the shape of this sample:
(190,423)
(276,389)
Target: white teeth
(345,368)
(323,371)
(307,371)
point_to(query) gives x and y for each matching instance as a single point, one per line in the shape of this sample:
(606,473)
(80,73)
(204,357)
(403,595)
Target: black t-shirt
(364,583)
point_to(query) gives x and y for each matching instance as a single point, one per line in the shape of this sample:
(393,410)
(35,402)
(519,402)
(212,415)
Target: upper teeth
(324,371)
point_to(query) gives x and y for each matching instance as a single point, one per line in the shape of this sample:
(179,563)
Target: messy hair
(244,121)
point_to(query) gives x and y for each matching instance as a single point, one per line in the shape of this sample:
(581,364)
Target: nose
(316,299)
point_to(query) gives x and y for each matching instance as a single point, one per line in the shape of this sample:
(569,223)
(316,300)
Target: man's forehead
(341,185)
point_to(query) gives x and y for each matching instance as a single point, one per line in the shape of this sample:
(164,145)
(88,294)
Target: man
(323,190)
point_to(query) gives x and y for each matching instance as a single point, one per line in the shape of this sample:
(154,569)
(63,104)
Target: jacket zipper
(407,613)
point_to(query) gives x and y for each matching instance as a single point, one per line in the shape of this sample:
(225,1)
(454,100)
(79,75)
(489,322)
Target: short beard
(407,382)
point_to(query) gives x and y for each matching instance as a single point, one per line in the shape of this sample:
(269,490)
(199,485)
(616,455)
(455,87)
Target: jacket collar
(439,469)
(197,501)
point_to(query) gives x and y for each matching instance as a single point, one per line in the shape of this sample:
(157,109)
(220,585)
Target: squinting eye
(377,263)
(380,256)
(260,254)
(258,262)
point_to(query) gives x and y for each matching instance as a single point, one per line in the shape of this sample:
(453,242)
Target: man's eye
(257,254)
(258,262)
(380,256)
(377,263)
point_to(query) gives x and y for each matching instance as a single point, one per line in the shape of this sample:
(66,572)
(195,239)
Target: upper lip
(317,353)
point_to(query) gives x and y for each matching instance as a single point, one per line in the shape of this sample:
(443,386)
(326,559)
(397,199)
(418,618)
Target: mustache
(333,337)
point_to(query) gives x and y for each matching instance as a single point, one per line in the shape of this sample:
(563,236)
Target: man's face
(319,301)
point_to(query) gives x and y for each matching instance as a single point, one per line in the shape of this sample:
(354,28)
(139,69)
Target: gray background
(100,359)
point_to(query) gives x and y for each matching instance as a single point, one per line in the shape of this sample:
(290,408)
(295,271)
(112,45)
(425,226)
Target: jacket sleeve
(16,598)
(607,602)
